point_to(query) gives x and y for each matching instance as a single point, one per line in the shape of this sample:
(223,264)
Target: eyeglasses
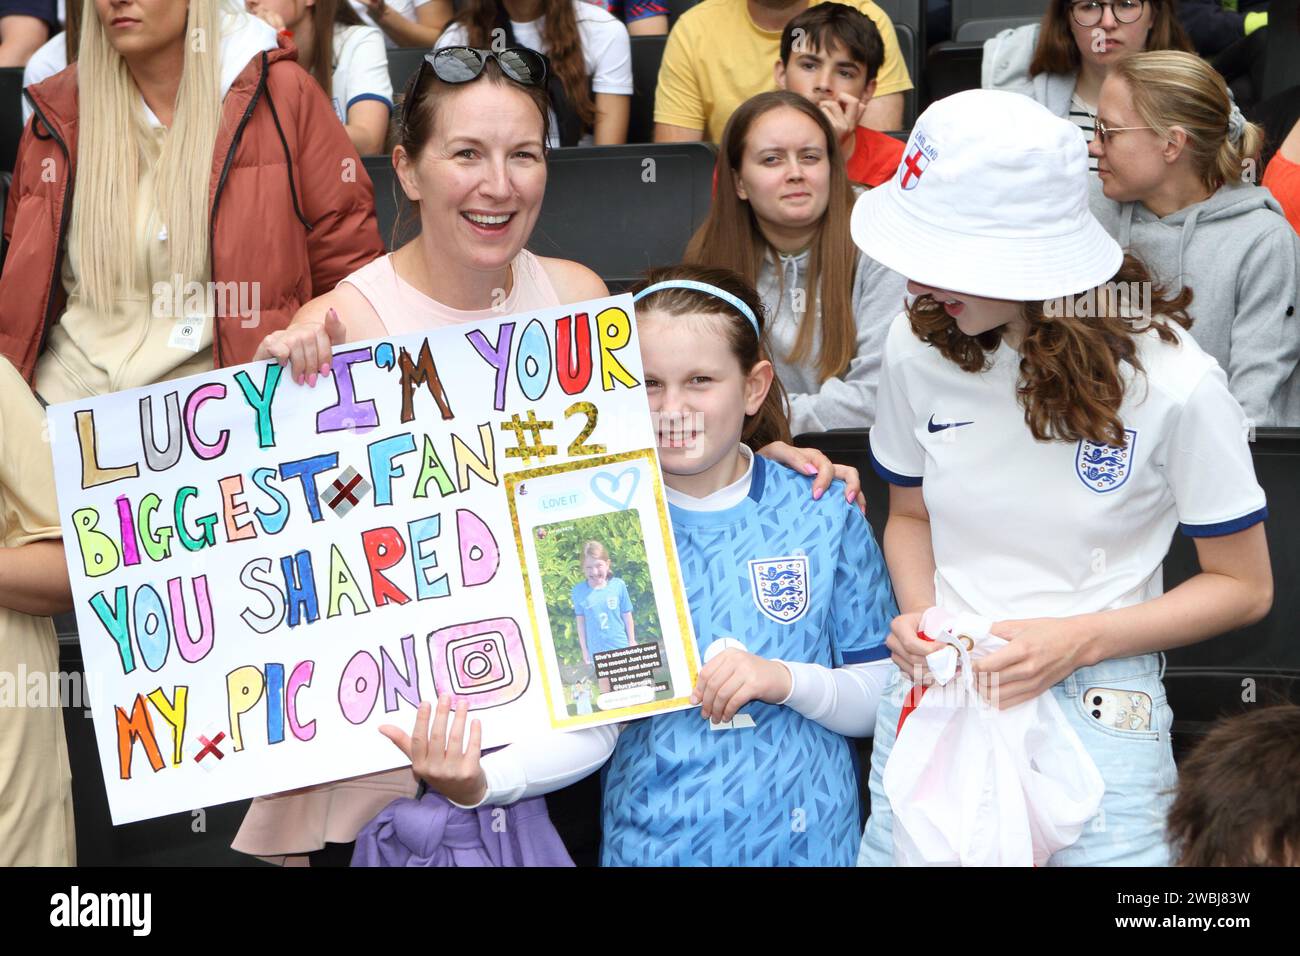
(463,64)
(1101,130)
(1088,13)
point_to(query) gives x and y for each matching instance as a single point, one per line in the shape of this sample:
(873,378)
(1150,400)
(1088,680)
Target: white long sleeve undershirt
(841,699)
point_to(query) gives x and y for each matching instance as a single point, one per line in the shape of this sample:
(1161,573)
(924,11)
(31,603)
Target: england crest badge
(1104,468)
(780,587)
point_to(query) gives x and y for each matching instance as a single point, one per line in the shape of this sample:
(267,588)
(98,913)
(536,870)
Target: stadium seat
(388,201)
(985,28)
(911,14)
(402,63)
(952,67)
(1282,48)
(1258,664)
(909,48)
(11,115)
(676,8)
(654,196)
(1261,663)
(963,10)
(647,52)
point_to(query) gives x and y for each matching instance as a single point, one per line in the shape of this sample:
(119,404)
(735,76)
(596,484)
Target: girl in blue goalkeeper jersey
(791,604)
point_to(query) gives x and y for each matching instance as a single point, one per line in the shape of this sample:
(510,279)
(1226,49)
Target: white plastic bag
(970,785)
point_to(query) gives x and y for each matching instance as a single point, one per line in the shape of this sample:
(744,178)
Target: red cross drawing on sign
(210,747)
(345,491)
(914,167)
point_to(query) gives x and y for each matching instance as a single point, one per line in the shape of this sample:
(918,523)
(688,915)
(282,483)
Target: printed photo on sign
(610,648)
(611,642)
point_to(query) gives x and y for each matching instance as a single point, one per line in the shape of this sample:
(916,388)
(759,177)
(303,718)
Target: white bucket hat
(990,199)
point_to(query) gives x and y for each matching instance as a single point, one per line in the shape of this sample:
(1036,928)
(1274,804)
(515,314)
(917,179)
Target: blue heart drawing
(608,487)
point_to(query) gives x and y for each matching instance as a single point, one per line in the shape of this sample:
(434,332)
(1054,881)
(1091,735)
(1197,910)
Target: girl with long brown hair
(780,219)
(590,82)
(1046,423)
(1062,60)
(346,57)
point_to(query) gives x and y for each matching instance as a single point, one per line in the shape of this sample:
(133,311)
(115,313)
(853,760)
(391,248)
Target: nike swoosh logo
(938,428)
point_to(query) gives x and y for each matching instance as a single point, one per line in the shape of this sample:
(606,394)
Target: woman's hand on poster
(909,650)
(1042,652)
(306,346)
(448,763)
(734,678)
(811,462)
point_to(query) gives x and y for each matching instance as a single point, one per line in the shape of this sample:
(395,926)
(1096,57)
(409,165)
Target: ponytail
(1237,152)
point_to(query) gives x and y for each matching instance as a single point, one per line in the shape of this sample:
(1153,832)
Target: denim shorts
(1137,767)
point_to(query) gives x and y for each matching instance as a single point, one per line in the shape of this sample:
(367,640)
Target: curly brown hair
(1070,381)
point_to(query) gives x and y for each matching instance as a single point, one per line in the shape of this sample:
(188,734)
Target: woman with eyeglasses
(471,157)
(1178,166)
(1062,61)
(590,83)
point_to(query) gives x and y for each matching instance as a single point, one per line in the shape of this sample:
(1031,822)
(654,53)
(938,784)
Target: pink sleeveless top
(285,826)
(404,309)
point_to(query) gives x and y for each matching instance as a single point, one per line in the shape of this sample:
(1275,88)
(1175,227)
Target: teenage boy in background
(831,54)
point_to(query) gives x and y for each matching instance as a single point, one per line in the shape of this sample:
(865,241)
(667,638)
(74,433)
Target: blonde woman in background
(1176,162)
(185,154)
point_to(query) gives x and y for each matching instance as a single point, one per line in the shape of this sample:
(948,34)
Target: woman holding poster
(471,156)
(1040,460)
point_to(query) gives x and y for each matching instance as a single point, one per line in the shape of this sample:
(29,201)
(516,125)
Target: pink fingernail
(810,469)
(817,495)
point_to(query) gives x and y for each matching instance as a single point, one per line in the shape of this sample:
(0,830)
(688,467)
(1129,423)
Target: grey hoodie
(850,400)
(1241,259)
(1006,67)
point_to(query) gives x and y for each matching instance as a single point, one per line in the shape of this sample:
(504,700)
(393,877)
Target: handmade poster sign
(265,572)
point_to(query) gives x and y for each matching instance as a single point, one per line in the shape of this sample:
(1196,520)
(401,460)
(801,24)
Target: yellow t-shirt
(716,58)
(36,826)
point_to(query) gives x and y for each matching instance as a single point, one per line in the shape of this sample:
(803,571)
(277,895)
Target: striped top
(1082,115)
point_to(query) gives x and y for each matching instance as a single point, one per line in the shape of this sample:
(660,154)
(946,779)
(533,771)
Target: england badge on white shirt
(1104,468)
(780,587)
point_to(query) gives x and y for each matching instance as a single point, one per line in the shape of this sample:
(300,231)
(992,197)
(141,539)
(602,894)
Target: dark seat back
(985,28)
(621,209)
(647,54)
(403,62)
(963,10)
(952,67)
(11,115)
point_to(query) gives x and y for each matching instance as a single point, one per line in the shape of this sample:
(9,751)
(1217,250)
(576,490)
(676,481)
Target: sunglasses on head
(463,64)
